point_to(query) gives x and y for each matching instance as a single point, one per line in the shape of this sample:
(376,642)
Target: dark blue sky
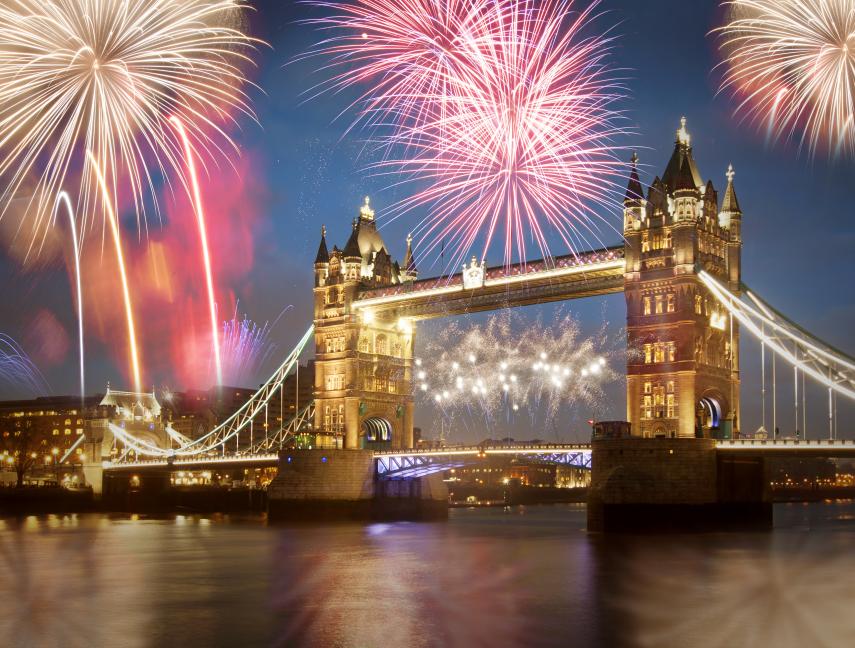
(799,214)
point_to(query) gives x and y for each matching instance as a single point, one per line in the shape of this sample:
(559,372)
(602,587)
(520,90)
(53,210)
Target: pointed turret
(410,272)
(730,204)
(682,155)
(323,255)
(351,248)
(684,180)
(633,189)
(730,216)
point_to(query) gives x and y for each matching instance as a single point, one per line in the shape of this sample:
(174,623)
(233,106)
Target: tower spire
(730,204)
(323,255)
(410,269)
(633,189)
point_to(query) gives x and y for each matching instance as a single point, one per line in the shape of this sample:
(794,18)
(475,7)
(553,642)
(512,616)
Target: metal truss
(275,441)
(214,442)
(409,464)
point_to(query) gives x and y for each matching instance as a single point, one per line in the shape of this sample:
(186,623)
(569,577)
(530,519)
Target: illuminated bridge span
(408,464)
(686,304)
(478,288)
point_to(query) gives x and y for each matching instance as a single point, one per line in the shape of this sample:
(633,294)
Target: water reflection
(525,576)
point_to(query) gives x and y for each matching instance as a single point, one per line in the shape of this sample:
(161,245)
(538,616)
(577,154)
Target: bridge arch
(377,432)
(710,412)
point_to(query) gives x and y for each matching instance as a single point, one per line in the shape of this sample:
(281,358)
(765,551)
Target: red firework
(501,114)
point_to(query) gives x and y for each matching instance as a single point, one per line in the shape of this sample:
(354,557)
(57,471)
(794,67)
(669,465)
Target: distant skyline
(301,171)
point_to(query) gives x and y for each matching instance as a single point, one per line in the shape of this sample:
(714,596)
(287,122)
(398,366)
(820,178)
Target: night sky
(299,172)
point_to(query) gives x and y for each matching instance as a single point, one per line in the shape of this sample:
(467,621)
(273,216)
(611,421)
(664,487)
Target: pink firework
(500,114)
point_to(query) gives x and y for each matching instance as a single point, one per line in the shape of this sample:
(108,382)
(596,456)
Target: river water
(524,576)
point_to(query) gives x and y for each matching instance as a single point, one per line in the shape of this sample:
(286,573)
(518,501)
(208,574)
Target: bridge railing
(818,444)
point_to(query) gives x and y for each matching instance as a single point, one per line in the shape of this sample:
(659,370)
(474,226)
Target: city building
(36,434)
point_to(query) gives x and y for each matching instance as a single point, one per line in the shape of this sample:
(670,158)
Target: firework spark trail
(246,346)
(113,220)
(17,369)
(104,76)
(203,236)
(492,371)
(62,197)
(501,116)
(792,65)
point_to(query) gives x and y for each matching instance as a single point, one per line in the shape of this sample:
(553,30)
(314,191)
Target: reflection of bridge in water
(680,272)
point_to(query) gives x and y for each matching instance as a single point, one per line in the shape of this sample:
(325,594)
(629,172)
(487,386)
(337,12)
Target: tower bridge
(686,306)
(682,382)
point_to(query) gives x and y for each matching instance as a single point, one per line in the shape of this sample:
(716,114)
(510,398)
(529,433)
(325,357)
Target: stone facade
(682,347)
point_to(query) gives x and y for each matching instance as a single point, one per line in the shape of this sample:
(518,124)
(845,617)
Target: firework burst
(496,375)
(18,370)
(792,65)
(245,348)
(106,76)
(501,115)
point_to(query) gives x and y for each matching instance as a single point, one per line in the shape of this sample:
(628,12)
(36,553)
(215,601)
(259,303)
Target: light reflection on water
(527,576)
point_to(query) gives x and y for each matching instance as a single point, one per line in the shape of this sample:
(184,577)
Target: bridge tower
(363,385)
(682,348)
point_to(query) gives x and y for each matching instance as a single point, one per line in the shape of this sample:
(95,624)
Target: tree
(21,447)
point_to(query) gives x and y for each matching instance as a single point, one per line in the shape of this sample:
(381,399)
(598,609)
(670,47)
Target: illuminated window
(670,303)
(648,354)
(381,383)
(327,420)
(659,302)
(658,401)
(670,386)
(698,306)
(670,406)
(645,243)
(647,387)
(364,345)
(647,305)
(659,352)
(672,351)
(647,408)
(380,345)
(335,381)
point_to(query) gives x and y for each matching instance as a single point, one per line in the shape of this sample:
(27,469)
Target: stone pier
(332,484)
(678,484)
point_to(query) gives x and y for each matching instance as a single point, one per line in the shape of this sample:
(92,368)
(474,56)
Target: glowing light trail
(104,76)
(62,197)
(203,237)
(113,219)
(835,363)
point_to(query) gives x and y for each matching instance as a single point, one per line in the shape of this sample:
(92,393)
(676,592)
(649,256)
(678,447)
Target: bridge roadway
(416,463)
(564,277)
